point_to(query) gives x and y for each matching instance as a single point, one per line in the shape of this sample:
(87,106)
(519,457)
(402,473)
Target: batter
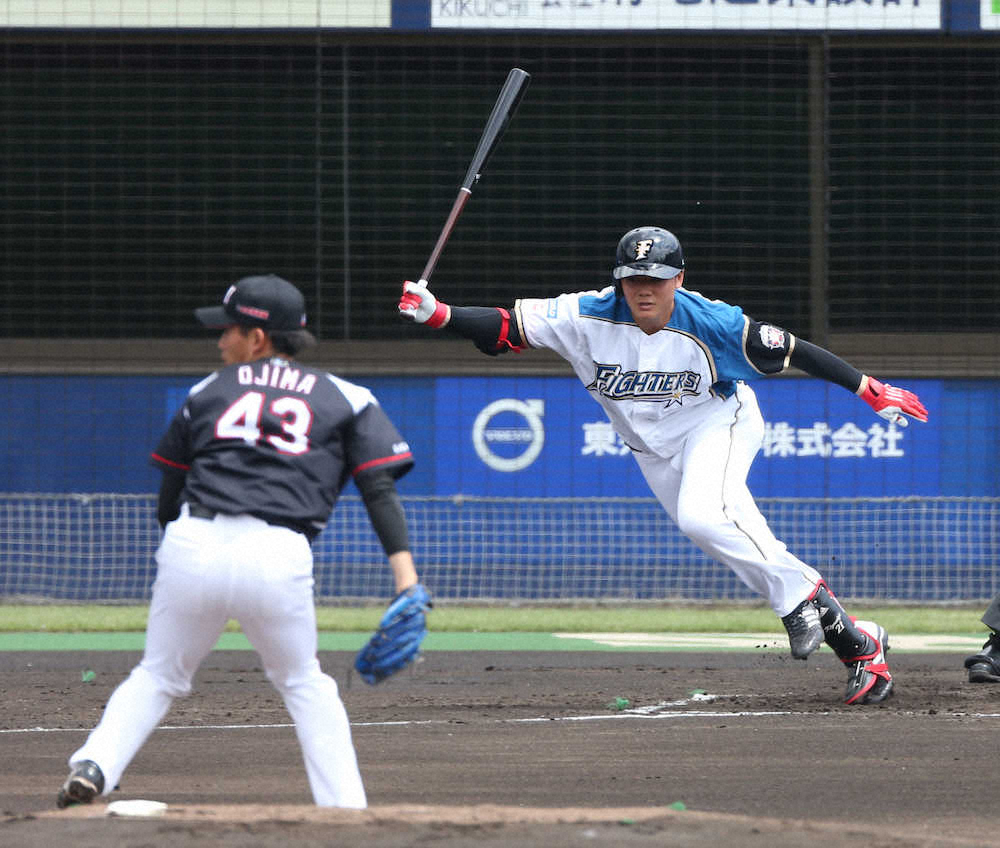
(671,370)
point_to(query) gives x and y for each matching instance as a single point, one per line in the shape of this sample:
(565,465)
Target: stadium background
(843,185)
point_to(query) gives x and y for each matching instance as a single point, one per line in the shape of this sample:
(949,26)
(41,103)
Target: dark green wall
(142,176)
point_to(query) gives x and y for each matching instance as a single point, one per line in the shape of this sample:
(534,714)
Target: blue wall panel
(94,434)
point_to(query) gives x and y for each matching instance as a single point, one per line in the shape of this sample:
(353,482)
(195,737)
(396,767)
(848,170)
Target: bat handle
(456,209)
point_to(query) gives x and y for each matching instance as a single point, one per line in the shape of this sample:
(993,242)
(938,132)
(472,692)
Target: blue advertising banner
(525,437)
(95,434)
(545,437)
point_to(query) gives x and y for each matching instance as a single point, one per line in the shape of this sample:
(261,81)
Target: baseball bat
(510,95)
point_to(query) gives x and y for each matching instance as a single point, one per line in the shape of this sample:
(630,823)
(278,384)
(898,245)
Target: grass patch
(463,618)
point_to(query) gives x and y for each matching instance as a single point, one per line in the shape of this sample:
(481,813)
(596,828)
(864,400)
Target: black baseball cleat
(868,677)
(984,667)
(805,632)
(85,782)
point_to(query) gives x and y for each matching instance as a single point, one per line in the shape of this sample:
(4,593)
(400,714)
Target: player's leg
(984,667)
(716,509)
(186,616)
(859,645)
(275,607)
(991,618)
(802,623)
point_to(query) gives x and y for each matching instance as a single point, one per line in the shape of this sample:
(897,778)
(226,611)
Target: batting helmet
(648,252)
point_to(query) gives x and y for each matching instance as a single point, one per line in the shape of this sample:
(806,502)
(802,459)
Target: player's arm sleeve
(490,328)
(173,453)
(168,504)
(385,510)
(819,362)
(172,457)
(771,350)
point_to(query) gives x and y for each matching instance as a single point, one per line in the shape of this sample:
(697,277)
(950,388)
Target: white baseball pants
(703,488)
(209,571)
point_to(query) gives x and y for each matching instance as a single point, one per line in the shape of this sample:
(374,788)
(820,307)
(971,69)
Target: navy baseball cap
(267,301)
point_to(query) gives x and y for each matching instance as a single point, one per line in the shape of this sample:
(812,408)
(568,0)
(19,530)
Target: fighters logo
(670,387)
(772,337)
(642,248)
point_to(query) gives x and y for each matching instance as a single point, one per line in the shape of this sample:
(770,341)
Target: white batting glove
(419,305)
(891,403)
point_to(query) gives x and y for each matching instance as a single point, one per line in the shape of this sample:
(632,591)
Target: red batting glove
(890,402)
(418,304)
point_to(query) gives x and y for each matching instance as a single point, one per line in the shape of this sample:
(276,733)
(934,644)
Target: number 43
(242,421)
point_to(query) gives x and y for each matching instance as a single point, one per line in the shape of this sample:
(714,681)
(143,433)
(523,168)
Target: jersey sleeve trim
(519,322)
(407,456)
(169,463)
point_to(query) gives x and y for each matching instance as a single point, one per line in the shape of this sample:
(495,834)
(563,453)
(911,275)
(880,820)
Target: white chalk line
(762,641)
(638,713)
(429,721)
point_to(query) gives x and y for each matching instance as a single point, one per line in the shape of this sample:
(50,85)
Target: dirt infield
(501,748)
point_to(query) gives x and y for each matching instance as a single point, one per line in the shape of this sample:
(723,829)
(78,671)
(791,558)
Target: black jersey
(278,440)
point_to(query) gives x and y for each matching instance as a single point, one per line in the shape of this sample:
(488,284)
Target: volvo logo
(508,434)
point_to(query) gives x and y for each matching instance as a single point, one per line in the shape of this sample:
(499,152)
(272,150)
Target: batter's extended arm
(771,349)
(490,328)
(889,402)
